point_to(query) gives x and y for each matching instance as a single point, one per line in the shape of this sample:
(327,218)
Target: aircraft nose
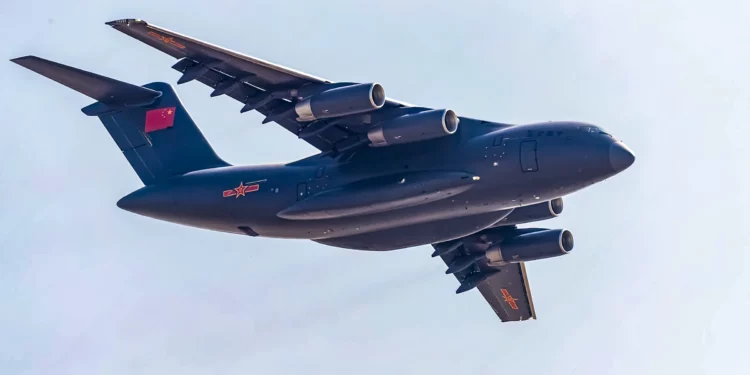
(620,157)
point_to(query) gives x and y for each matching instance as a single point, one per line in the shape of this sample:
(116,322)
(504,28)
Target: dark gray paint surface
(463,191)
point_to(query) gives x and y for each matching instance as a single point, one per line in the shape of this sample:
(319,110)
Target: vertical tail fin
(149,124)
(160,140)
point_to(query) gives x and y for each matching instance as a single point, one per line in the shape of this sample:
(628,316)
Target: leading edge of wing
(167,44)
(127,26)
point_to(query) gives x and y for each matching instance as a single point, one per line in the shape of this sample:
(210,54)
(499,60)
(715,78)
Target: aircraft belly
(464,205)
(417,234)
(381,194)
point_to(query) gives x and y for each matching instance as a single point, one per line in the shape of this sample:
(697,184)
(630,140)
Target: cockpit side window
(498,141)
(590,129)
(593,129)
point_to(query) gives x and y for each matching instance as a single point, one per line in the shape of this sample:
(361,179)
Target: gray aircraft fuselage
(489,169)
(388,175)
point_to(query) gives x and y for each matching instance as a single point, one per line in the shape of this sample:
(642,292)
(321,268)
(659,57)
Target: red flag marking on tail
(158,119)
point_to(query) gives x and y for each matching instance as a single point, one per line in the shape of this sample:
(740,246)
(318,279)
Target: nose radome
(620,157)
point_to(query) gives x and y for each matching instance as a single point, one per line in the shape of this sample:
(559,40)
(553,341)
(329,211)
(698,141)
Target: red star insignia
(508,298)
(240,190)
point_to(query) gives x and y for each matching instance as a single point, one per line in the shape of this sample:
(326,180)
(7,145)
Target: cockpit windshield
(593,129)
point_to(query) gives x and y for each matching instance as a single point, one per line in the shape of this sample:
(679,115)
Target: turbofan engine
(416,127)
(512,246)
(341,101)
(540,244)
(534,212)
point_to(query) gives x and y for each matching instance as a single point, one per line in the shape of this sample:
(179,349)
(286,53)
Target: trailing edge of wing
(106,90)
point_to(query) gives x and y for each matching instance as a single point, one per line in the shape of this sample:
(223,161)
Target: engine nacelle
(414,128)
(534,212)
(531,246)
(341,101)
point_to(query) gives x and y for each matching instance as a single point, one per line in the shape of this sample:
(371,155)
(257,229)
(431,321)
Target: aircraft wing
(508,293)
(506,288)
(259,84)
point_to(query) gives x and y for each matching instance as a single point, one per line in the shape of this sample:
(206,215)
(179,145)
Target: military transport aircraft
(389,175)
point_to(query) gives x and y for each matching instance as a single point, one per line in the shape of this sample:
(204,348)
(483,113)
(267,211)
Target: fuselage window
(498,141)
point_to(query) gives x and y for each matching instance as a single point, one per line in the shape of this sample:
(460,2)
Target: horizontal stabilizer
(149,124)
(111,92)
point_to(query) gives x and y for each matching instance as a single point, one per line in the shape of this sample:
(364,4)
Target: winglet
(110,92)
(125,21)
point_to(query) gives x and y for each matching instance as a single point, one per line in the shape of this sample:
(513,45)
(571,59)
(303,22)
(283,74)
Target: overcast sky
(659,281)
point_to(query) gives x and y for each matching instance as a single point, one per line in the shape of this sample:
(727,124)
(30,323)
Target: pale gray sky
(659,282)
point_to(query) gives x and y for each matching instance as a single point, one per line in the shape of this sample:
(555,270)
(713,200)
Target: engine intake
(341,101)
(531,246)
(414,128)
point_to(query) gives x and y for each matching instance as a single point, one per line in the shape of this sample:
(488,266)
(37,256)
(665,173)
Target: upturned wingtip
(124,22)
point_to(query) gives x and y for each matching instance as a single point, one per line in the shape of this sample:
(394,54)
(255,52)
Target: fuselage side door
(301,191)
(528,156)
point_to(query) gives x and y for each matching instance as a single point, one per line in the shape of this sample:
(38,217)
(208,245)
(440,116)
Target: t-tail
(148,123)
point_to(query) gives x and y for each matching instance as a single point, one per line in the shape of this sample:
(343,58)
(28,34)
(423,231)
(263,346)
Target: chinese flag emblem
(158,119)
